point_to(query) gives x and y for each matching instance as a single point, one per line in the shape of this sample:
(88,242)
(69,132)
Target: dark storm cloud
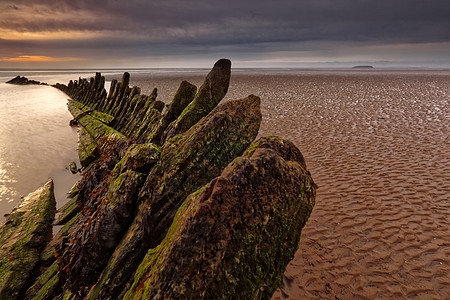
(225,22)
(141,27)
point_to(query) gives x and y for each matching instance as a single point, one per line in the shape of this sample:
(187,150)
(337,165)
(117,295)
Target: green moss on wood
(187,162)
(73,191)
(209,95)
(233,238)
(48,254)
(68,211)
(45,286)
(22,237)
(184,163)
(139,157)
(88,150)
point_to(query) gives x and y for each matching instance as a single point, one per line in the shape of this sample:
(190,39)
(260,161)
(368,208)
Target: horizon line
(355,67)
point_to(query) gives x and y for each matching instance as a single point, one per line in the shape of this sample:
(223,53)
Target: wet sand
(377,144)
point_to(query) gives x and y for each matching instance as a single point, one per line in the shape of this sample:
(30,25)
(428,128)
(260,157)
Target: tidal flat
(376,142)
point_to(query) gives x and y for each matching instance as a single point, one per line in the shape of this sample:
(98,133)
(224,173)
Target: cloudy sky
(252,33)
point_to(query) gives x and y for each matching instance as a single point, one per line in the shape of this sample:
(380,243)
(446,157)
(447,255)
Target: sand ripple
(378,148)
(377,144)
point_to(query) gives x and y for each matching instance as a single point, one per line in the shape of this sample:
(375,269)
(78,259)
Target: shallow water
(36,142)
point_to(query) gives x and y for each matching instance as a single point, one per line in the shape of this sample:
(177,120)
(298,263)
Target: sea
(36,141)
(376,141)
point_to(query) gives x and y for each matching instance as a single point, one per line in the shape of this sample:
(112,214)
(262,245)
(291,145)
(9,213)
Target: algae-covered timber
(233,237)
(189,161)
(22,237)
(212,91)
(184,95)
(179,203)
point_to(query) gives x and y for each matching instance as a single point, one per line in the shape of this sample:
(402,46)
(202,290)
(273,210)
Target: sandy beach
(377,144)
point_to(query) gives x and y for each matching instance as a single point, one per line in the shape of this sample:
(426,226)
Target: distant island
(362,67)
(22,80)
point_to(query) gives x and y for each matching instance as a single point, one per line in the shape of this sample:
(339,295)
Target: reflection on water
(4,181)
(35,140)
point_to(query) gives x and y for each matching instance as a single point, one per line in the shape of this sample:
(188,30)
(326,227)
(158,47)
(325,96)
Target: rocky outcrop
(174,204)
(22,80)
(23,235)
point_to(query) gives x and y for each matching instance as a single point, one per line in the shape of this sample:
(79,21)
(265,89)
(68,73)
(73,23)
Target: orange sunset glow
(47,35)
(136,33)
(33,58)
